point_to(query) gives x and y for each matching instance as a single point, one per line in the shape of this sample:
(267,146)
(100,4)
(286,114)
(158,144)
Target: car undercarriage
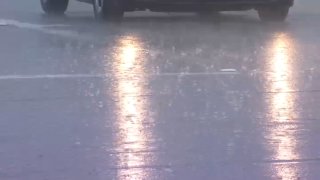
(268,10)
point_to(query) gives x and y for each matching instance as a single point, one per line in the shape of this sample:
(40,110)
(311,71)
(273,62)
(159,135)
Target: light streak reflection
(281,81)
(133,131)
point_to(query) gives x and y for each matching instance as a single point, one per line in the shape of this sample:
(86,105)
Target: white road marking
(50,76)
(2,23)
(228,70)
(196,74)
(43,28)
(79,76)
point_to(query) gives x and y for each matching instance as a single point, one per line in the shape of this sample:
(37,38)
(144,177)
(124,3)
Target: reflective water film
(133,119)
(281,82)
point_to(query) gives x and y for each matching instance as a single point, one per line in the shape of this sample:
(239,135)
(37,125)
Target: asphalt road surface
(158,96)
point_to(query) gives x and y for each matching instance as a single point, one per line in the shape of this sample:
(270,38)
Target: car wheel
(54,6)
(108,9)
(275,14)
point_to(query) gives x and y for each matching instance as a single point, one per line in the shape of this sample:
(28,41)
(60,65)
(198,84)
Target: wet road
(158,96)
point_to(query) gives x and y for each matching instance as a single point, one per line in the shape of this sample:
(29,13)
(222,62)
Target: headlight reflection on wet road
(133,133)
(281,135)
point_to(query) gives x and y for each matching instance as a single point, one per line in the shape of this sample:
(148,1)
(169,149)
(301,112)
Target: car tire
(54,6)
(110,10)
(273,14)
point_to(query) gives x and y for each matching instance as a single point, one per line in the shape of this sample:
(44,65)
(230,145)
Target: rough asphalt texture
(158,96)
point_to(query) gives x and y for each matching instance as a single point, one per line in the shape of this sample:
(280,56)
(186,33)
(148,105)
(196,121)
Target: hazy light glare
(133,136)
(281,81)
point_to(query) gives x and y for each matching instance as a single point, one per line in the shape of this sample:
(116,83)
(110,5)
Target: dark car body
(198,5)
(268,10)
